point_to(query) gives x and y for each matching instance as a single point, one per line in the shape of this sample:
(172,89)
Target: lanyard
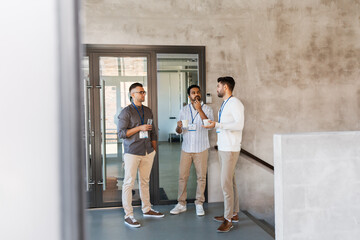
(141,118)
(193,118)
(222,107)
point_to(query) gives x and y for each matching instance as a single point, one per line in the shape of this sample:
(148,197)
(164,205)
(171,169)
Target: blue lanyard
(141,118)
(222,107)
(192,119)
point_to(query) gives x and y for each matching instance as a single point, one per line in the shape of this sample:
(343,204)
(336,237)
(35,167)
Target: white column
(317,186)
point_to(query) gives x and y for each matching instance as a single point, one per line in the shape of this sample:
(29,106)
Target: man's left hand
(211,125)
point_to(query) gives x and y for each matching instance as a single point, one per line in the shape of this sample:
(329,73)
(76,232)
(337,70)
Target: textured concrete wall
(317,186)
(296,63)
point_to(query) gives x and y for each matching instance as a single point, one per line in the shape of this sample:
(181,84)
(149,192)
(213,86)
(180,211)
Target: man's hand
(145,127)
(179,127)
(197,105)
(211,125)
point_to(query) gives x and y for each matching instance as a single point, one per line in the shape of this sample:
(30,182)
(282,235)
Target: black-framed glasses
(141,92)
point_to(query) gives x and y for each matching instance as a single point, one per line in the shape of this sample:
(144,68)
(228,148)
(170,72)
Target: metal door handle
(100,182)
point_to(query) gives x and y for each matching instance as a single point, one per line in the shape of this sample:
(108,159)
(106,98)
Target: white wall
(29,136)
(317,186)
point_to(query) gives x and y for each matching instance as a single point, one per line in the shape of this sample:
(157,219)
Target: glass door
(165,72)
(88,103)
(113,75)
(175,73)
(116,75)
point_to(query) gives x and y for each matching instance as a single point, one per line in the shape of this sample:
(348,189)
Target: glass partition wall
(165,72)
(116,76)
(175,73)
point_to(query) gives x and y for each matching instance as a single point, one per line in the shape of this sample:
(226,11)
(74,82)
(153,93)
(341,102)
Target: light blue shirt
(195,141)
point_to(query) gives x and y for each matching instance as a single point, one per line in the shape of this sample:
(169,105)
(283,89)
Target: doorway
(165,72)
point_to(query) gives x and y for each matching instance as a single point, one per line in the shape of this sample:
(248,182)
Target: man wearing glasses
(136,127)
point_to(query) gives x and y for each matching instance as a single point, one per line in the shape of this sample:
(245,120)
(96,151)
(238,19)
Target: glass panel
(175,73)
(87,107)
(116,76)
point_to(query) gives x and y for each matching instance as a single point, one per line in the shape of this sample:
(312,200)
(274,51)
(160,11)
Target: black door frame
(94,52)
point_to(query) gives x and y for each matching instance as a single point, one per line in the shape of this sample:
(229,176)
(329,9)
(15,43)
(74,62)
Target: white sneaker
(199,210)
(178,209)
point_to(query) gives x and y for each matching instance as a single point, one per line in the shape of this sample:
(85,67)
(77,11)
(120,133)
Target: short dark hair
(135,85)
(229,81)
(192,86)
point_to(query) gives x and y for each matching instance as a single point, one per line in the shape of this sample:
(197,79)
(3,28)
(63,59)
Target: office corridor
(106,224)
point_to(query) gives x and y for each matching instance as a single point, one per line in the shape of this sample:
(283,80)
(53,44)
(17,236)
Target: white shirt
(195,141)
(230,126)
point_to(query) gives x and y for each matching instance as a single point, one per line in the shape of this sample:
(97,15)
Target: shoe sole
(235,221)
(154,216)
(218,220)
(225,231)
(201,214)
(178,212)
(133,226)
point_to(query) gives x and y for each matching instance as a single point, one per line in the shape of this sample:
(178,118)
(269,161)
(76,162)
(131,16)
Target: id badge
(144,134)
(218,130)
(192,127)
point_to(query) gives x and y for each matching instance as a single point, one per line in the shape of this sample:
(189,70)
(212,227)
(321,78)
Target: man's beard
(196,98)
(220,94)
(140,99)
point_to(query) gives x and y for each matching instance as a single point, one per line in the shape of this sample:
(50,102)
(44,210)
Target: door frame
(93,51)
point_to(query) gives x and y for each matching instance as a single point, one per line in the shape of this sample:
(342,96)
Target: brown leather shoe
(225,226)
(153,213)
(221,218)
(235,218)
(131,221)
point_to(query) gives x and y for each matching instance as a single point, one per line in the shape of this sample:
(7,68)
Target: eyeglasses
(141,92)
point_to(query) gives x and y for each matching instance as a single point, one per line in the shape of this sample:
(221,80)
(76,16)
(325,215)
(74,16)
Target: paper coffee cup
(206,122)
(185,123)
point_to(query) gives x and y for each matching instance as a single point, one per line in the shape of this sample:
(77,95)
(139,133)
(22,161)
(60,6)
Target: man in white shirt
(229,133)
(194,149)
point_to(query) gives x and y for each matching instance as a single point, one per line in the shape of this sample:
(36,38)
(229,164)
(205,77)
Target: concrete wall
(296,63)
(317,186)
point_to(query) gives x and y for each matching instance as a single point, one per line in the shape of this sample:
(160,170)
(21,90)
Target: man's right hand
(145,127)
(179,124)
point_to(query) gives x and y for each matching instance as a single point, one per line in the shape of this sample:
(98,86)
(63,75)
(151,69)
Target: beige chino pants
(200,163)
(228,162)
(143,164)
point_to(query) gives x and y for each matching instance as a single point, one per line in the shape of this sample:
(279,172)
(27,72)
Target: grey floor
(106,224)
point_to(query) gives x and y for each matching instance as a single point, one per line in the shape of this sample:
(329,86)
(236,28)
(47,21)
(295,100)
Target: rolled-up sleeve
(123,123)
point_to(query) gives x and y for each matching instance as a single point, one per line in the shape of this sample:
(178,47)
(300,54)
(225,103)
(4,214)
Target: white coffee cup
(185,123)
(206,122)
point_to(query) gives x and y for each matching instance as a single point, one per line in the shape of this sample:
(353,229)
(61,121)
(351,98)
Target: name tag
(218,130)
(144,134)
(192,127)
